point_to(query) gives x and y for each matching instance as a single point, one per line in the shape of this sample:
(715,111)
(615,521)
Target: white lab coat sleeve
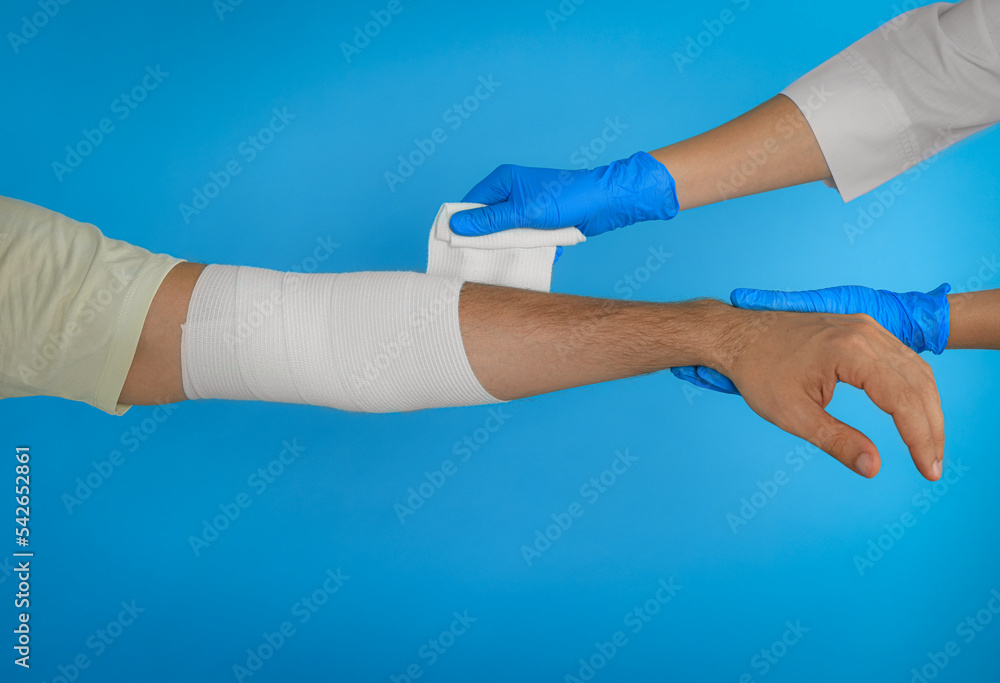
(916,85)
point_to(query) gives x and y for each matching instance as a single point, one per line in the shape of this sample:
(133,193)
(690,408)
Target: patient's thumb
(842,441)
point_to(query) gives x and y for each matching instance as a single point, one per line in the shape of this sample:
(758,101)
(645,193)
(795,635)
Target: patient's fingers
(900,385)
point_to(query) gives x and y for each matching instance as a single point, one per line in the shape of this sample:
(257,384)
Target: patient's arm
(520,343)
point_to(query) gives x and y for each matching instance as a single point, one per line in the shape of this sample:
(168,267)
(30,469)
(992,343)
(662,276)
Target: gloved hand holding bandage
(624,192)
(919,320)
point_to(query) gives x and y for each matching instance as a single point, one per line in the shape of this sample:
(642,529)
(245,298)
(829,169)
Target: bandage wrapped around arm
(371,342)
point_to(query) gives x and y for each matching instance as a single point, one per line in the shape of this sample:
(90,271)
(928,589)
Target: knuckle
(856,341)
(863,319)
(926,370)
(930,384)
(924,375)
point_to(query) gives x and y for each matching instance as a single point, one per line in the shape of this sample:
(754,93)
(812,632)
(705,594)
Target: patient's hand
(921,321)
(787,365)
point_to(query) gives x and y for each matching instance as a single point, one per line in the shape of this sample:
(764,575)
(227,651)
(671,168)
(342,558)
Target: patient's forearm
(975,320)
(786,365)
(522,343)
(769,147)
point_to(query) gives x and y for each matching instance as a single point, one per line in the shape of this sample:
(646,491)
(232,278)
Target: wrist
(723,333)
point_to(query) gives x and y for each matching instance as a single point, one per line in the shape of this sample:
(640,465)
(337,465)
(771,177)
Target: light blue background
(697,454)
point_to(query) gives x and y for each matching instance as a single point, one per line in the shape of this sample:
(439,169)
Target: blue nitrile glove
(625,192)
(921,321)
(706,378)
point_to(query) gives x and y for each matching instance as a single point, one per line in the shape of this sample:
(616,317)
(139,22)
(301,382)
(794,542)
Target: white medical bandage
(370,342)
(520,258)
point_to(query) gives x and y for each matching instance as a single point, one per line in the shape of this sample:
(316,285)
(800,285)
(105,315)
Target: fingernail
(864,465)
(936,469)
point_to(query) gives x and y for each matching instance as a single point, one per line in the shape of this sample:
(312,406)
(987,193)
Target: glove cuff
(640,188)
(931,317)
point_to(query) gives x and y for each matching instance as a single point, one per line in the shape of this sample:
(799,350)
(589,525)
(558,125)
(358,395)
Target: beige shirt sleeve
(906,91)
(72,306)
